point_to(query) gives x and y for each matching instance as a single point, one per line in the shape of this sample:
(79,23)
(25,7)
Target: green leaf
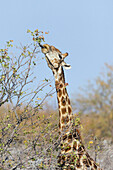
(9,125)
(28,31)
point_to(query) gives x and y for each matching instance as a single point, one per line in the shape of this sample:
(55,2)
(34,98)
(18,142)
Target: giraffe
(72,153)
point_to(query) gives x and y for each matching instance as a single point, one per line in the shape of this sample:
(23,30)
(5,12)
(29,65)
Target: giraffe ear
(66,66)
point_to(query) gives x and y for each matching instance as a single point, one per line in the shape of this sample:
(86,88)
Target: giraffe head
(54,57)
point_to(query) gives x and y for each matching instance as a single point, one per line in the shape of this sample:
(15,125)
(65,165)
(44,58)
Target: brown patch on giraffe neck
(63,101)
(65,127)
(63,110)
(59,93)
(56,83)
(76,135)
(59,113)
(68,101)
(70,137)
(58,100)
(64,91)
(64,137)
(61,85)
(69,110)
(75,146)
(61,79)
(65,119)
(78,165)
(67,148)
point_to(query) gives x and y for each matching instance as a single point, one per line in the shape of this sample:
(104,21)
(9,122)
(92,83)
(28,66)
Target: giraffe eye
(60,56)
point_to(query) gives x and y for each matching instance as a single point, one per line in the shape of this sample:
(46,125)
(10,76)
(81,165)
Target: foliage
(95,103)
(25,136)
(35,142)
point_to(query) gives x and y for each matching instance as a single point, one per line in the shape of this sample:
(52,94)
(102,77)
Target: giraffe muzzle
(41,45)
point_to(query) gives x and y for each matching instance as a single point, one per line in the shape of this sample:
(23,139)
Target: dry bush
(95,103)
(27,137)
(34,143)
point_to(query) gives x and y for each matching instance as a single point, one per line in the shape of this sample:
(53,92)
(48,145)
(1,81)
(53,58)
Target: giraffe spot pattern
(62,148)
(65,119)
(85,162)
(59,93)
(90,161)
(61,85)
(95,166)
(78,164)
(53,72)
(80,149)
(67,148)
(63,157)
(63,110)
(63,101)
(70,118)
(64,137)
(58,100)
(87,155)
(69,110)
(61,78)
(64,91)
(68,157)
(56,83)
(68,101)
(74,145)
(61,160)
(59,113)
(76,134)
(63,127)
(70,137)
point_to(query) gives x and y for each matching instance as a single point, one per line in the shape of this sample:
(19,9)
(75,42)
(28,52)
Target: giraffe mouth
(41,45)
(49,62)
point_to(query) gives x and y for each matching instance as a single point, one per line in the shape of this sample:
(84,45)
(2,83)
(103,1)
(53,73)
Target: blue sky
(83,28)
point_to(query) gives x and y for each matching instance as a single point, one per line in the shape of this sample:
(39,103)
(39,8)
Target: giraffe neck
(65,110)
(73,153)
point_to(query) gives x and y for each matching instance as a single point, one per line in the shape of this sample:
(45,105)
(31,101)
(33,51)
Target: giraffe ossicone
(72,151)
